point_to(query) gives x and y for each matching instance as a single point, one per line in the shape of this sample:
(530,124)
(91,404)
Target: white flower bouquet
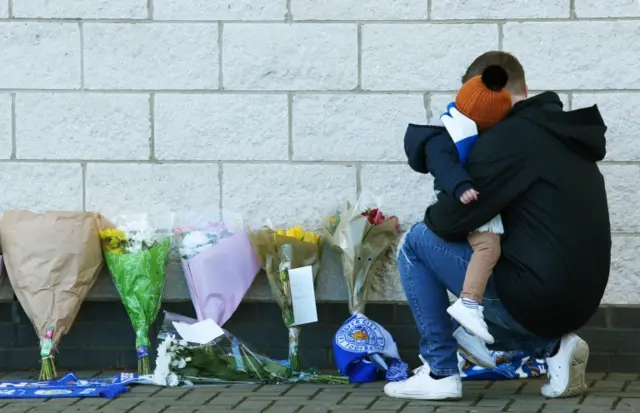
(136,253)
(223,360)
(218,263)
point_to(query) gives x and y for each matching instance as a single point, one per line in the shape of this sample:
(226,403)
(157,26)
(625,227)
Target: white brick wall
(280,108)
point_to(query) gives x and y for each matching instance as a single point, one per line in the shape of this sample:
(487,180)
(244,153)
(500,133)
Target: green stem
(294,354)
(144,367)
(48,369)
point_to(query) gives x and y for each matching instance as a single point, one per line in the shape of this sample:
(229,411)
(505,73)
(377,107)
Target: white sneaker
(474,349)
(566,370)
(424,387)
(472,319)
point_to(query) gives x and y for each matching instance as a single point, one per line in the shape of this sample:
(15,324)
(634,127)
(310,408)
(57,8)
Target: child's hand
(469,196)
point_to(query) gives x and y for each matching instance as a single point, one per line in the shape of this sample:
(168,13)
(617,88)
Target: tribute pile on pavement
(53,259)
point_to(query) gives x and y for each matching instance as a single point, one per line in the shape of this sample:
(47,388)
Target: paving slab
(606,393)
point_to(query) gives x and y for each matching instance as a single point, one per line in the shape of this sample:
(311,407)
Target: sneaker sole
(463,347)
(463,322)
(441,396)
(577,378)
(478,362)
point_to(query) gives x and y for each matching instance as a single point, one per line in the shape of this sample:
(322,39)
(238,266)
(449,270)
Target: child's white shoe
(474,349)
(472,319)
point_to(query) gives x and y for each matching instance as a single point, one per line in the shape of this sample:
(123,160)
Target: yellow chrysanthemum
(112,233)
(113,240)
(311,237)
(295,232)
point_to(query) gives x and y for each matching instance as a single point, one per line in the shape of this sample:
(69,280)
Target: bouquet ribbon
(354,344)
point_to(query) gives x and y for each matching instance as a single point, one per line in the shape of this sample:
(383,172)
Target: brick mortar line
(220,56)
(152,127)
(426,101)
(81,33)
(359,55)
(570,100)
(14,146)
(221,187)
(290,126)
(351,21)
(83,167)
(294,92)
(353,162)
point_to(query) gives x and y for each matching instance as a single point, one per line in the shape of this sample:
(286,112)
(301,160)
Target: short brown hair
(516,84)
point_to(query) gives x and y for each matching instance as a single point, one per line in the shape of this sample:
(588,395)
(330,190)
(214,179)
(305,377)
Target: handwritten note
(303,296)
(202,332)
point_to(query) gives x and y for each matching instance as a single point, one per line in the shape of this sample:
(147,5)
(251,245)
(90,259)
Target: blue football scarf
(509,366)
(366,352)
(68,386)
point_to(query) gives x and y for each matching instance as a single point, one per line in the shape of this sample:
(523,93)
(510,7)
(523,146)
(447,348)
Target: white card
(202,332)
(303,296)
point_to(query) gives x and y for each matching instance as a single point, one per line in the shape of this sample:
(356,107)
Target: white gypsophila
(163,362)
(172,380)
(140,234)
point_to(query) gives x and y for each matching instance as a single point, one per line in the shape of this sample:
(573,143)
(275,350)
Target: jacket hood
(415,140)
(581,130)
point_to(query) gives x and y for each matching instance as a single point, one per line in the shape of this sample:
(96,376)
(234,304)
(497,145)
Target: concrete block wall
(280,108)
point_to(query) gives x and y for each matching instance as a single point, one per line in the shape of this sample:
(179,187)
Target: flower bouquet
(279,252)
(223,359)
(136,253)
(52,261)
(360,235)
(219,266)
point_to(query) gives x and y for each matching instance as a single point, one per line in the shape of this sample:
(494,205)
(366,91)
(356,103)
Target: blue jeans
(429,266)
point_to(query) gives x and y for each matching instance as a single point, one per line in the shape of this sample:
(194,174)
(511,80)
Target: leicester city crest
(361,335)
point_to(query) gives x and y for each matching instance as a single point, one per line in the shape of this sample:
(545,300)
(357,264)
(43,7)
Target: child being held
(485,101)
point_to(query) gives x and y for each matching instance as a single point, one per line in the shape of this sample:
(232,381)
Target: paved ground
(612,392)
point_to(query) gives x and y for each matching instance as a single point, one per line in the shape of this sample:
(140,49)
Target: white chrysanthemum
(172,380)
(139,233)
(162,370)
(182,364)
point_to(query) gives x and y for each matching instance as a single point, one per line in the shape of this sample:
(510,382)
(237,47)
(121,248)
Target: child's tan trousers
(486,252)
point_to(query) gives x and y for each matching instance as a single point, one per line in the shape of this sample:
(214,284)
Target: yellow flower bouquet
(280,251)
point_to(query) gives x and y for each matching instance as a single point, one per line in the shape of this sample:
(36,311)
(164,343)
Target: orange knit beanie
(484,99)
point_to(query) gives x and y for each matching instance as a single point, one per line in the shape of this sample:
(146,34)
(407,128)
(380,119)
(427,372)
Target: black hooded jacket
(538,169)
